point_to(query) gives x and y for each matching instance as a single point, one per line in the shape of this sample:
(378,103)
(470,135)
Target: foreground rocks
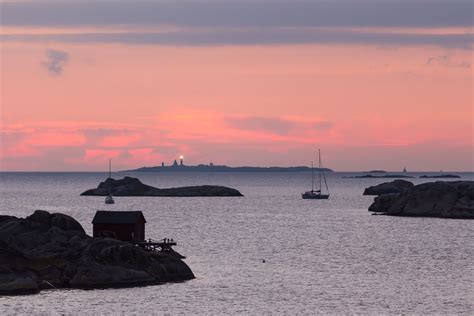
(397,186)
(129,186)
(47,250)
(433,199)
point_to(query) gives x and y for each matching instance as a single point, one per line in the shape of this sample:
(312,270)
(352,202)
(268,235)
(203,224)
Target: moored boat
(317,194)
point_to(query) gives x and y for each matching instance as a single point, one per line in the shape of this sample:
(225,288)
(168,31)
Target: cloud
(240,13)
(274,125)
(447,61)
(254,36)
(278,125)
(210,136)
(323,125)
(243,22)
(55,61)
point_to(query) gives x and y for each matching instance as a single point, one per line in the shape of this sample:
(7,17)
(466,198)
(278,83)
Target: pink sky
(367,106)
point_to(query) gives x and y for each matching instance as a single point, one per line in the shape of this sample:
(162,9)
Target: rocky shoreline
(52,250)
(129,186)
(433,199)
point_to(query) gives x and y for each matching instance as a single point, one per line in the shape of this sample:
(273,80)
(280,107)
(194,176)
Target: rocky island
(51,250)
(129,186)
(397,186)
(433,199)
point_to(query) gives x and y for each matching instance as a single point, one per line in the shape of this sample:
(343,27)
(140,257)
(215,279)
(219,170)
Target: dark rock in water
(396,186)
(47,250)
(441,176)
(133,187)
(434,199)
(371,176)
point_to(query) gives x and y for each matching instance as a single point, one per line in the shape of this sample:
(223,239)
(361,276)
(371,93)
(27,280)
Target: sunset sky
(376,84)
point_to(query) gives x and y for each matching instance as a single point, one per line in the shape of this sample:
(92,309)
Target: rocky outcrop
(129,186)
(397,186)
(433,199)
(47,250)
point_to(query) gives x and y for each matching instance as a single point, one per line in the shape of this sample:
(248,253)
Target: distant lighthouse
(181,160)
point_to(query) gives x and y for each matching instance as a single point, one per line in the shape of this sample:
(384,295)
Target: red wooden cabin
(122,225)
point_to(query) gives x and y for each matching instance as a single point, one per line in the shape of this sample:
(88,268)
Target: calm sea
(322,256)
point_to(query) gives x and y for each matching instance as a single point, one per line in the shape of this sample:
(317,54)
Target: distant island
(375,171)
(181,167)
(369,176)
(440,176)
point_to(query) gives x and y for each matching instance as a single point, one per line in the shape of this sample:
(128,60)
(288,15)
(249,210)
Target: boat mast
(312,177)
(324,174)
(110,176)
(319,151)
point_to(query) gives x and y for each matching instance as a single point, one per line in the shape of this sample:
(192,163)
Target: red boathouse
(122,225)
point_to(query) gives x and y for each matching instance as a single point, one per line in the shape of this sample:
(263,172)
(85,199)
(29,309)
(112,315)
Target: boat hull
(307,196)
(109,200)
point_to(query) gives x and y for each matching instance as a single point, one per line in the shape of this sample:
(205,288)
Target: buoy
(263,260)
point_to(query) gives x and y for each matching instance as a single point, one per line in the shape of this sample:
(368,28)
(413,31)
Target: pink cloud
(202,137)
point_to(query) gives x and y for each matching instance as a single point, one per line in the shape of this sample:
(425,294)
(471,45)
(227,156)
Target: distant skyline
(381,84)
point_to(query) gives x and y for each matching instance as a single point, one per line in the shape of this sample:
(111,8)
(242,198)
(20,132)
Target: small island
(432,199)
(371,176)
(129,186)
(440,176)
(375,171)
(51,250)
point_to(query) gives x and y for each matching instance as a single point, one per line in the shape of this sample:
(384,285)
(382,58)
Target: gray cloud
(255,36)
(99,133)
(274,125)
(323,126)
(55,61)
(447,61)
(239,13)
(243,22)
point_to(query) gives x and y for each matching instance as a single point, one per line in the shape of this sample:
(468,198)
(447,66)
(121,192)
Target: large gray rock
(397,186)
(129,186)
(48,250)
(433,199)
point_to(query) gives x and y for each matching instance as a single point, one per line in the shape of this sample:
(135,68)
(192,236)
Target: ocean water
(321,256)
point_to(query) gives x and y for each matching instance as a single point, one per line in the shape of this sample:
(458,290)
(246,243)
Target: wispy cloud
(278,125)
(253,36)
(55,61)
(447,61)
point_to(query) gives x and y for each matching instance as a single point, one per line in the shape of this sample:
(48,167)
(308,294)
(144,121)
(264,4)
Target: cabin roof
(118,217)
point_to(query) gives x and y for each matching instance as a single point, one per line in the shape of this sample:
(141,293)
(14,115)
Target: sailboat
(109,199)
(317,194)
